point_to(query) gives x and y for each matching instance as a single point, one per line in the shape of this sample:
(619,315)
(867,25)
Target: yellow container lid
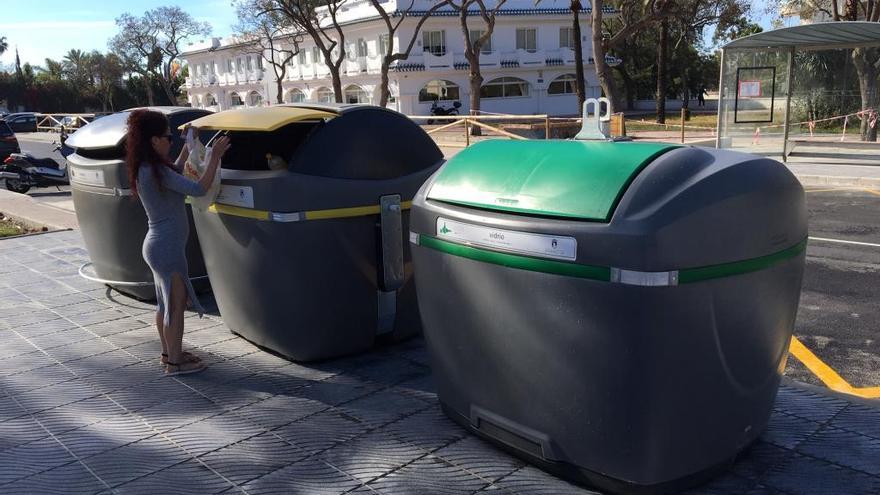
(262,119)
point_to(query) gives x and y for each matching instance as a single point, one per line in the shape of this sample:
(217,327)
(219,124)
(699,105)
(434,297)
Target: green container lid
(568,179)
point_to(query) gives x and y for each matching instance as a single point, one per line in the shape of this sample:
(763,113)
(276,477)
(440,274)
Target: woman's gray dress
(165,244)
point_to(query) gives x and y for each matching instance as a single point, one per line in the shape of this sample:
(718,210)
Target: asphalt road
(839,316)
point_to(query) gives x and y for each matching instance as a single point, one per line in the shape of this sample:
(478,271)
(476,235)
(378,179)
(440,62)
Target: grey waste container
(306,242)
(113,225)
(616,313)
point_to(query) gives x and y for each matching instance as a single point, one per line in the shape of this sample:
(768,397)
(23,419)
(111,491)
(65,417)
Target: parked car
(8,142)
(22,122)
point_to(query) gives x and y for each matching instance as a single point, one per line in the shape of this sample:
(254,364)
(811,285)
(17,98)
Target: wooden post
(547,127)
(467,132)
(682,125)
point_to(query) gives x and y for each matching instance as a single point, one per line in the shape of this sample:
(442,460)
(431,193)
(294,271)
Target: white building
(528,66)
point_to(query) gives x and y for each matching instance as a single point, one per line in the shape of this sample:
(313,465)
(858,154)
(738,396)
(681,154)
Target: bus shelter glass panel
(752,102)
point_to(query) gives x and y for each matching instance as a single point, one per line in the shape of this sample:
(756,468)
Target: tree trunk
(476,82)
(580,86)
(279,91)
(337,84)
(166,85)
(148,85)
(864,60)
(384,92)
(603,72)
(661,72)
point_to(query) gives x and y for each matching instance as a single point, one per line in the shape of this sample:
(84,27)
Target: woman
(162,189)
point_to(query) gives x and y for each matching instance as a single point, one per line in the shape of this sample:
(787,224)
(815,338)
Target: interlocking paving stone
(788,431)
(280,410)
(69,479)
(78,414)
(31,458)
(257,423)
(135,460)
(860,419)
(254,457)
(429,474)
(311,476)
(21,430)
(186,478)
(808,476)
(321,431)
(382,407)
(109,434)
(846,449)
(213,433)
(371,456)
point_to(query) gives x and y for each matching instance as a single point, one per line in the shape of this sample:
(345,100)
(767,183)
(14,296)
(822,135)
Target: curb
(839,181)
(24,209)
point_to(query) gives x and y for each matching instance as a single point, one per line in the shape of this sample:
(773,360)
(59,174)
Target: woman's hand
(219,147)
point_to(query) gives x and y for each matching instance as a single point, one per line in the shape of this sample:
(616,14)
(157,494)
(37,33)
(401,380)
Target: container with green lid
(614,312)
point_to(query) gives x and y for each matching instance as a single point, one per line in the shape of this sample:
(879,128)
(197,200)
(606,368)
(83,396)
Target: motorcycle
(438,110)
(22,171)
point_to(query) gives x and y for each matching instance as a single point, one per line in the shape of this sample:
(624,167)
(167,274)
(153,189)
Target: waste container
(616,313)
(306,242)
(113,225)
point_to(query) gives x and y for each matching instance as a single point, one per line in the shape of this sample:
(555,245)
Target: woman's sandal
(174,369)
(188,356)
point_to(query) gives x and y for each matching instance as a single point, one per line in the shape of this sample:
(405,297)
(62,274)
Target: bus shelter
(793,85)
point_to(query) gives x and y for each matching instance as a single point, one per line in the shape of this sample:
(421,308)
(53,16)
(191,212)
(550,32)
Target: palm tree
(4,45)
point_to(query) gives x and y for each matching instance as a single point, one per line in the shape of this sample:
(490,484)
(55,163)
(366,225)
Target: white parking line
(841,241)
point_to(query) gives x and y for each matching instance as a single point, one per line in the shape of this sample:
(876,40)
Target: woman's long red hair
(143,125)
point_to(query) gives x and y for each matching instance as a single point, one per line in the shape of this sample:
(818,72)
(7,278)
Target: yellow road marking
(871,191)
(825,373)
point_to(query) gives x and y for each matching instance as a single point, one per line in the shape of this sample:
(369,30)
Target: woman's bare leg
(174,330)
(159,326)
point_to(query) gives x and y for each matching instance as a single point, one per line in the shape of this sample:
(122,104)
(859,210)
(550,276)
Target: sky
(49,28)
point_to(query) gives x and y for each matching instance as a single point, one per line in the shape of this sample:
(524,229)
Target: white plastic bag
(199,157)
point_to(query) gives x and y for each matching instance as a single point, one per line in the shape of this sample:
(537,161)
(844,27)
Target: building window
(255,99)
(562,85)
(475,35)
(210,101)
(439,90)
(295,96)
(250,63)
(505,87)
(206,70)
(383,44)
(362,47)
(355,94)
(434,42)
(213,67)
(229,67)
(351,52)
(566,37)
(324,95)
(316,54)
(240,65)
(235,99)
(301,57)
(260,62)
(527,39)
(198,69)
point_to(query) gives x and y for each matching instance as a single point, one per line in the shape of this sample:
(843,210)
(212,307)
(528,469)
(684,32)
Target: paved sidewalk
(84,409)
